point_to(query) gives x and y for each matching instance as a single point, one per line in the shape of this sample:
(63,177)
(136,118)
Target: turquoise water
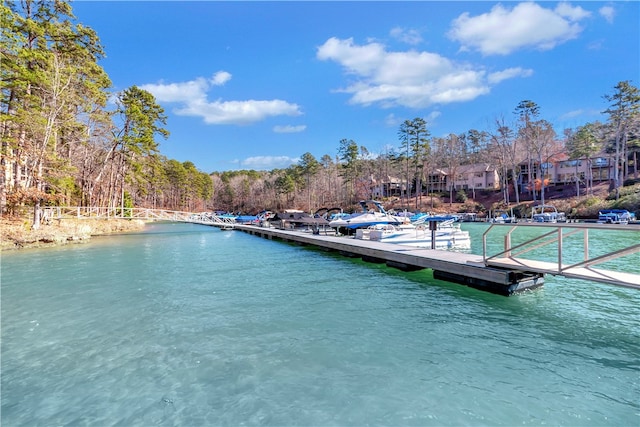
(189,325)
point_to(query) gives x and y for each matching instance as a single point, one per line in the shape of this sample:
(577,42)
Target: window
(600,174)
(571,163)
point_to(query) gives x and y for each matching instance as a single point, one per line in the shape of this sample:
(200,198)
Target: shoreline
(17,234)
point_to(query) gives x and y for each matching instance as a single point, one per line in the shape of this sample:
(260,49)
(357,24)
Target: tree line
(525,144)
(63,142)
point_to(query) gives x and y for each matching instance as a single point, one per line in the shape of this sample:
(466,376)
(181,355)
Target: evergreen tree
(623,112)
(584,143)
(51,85)
(415,143)
(348,154)
(141,120)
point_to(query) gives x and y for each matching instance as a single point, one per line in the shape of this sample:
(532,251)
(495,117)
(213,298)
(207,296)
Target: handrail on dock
(511,255)
(145,214)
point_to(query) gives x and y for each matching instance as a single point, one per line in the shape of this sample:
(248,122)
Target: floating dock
(461,268)
(510,271)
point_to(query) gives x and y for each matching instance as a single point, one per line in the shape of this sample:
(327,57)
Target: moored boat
(448,235)
(615,216)
(367,217)
(295,218)
(501,216)
(547,213)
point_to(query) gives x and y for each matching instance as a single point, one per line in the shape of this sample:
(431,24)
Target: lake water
(189,325)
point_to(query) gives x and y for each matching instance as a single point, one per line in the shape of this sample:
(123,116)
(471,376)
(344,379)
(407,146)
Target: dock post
(433,226)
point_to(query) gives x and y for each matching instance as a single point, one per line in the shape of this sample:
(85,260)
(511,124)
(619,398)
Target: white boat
(368,217)
(501,216)
(615,216)
(448,235)
(547,213)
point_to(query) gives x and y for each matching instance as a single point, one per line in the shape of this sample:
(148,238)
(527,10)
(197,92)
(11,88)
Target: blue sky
(254,85)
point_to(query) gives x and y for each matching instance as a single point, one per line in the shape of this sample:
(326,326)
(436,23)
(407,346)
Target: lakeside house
(558,170)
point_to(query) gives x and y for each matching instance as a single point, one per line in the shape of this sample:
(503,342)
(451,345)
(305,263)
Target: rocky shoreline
(18,234)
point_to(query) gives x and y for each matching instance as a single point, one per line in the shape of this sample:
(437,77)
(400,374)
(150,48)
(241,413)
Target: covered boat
(448,235)
(368,217)
(547,213)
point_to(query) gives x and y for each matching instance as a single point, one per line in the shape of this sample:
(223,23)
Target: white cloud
(289,129)
(595,45)
(220,78)
(192,99)
(408,36)
(432,116)
(237,112)
(178,92)
(411,79)
(267,162)
(577,13)
(503,31)
(392,120)
(608,13)
(572,114)
(509,73)
(582,113)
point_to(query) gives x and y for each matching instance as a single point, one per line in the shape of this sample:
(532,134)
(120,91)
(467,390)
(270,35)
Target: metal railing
(572,263)
(144,214)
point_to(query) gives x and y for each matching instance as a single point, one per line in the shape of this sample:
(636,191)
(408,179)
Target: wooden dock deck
(466,269)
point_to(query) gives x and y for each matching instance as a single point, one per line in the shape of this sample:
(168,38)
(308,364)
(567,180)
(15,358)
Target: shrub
(471,206)
(461,196)
(623,191)
(590,201)
(520,211)
(630,202)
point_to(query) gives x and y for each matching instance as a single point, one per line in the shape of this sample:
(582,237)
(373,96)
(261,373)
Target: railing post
(586,244)
(484,243)
(559,249)
(507,242)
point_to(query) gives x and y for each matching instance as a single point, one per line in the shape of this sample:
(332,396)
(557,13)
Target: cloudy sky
(254,85)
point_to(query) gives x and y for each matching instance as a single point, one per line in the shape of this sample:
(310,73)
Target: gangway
(563,259)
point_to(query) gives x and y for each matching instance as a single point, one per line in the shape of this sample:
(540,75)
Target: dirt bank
(18,234)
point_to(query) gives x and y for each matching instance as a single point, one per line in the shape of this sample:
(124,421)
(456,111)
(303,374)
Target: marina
(509,268)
